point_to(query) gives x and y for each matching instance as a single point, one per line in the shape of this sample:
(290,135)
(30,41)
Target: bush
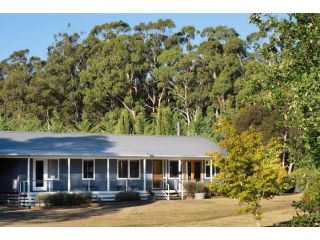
(190,188)
(127,196)
(308,181)
(200,187)
(63,199)
(212,189)
(194,187)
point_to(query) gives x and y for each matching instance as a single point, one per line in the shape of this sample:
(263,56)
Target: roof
(77,144)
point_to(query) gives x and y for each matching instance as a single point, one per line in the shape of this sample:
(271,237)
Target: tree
(3,123)
(292,79)
(263,119)
(125,123)
(251,171)
(157,38)
(56,123)
(140,123)
(13,93)
(166,121)
(308,181)
(222,63)
(108,122)
(85,125)
(66,59)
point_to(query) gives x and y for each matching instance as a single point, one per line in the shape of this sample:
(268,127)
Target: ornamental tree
(251,171)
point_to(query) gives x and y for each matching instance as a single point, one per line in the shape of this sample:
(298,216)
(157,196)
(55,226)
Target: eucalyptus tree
(156,38)
(16,73)
(66,59)
(115,71)
(222,62)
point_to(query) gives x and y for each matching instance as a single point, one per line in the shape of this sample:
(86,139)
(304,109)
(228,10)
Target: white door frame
(45,175)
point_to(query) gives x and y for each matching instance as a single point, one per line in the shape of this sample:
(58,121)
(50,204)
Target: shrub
(200,187)
(63,199)
(194,187)
(127,196)
(308,215)
(190,188)
(208,192)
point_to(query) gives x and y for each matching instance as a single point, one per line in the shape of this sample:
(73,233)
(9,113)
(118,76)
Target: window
(134,169)
(215,171)
(53,169)
(174,169)
(88,169)
(128,168)
(208,169)
(122,169)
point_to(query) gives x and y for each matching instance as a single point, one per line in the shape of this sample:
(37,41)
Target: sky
(35,31)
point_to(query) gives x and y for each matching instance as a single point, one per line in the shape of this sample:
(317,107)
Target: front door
(157,173)
(39,183)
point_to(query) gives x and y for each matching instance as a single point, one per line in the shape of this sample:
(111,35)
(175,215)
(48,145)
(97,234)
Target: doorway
(39,175)
(157,173)
(194,170)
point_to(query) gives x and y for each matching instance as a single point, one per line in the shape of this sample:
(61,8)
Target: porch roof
(77,144)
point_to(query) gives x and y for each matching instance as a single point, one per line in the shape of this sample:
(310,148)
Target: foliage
(127,196)
(63,199)
(56,124)
(308,181)
(251,171)
(264,120)
(141,79)
(192,187)
(200,187)
(291,86)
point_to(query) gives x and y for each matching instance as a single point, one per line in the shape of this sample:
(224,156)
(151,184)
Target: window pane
(134,169)
(88,169)
(215,170)
(123,169)
(208,169)
(53,169)
(174,169)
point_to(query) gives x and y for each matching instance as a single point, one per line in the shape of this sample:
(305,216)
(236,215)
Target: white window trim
(94,169)
(57,178)
(205,169)
(169,174)
(128,160)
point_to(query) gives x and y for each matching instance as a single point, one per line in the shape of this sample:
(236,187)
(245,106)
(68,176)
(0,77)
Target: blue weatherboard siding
(16,168)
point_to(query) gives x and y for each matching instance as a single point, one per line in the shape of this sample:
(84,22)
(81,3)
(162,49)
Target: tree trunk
(48,121)
(291,165)
(284,155)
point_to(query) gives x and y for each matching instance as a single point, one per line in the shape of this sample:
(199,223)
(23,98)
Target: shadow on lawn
(12,215)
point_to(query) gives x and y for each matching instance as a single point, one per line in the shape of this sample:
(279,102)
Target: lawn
(209,212)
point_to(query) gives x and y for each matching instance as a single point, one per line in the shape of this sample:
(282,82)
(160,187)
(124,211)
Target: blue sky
(35,31)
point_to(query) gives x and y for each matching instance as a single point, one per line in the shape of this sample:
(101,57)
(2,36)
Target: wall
(11,169)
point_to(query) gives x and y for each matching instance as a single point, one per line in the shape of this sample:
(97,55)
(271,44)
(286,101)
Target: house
(34,162)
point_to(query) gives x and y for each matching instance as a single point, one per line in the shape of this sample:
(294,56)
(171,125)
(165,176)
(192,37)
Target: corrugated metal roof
(66,144)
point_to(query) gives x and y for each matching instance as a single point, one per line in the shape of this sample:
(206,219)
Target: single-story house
(34,162)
